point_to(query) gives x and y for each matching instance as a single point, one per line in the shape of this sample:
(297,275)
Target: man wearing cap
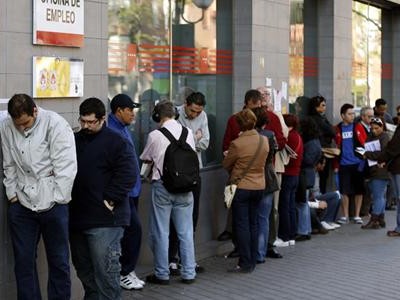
(121,116)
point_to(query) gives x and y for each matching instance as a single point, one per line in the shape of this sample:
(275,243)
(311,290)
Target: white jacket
(40,163)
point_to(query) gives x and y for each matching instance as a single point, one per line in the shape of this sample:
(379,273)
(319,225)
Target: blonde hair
(246,119)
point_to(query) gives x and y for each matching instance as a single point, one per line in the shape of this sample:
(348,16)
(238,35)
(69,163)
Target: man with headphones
(166,205)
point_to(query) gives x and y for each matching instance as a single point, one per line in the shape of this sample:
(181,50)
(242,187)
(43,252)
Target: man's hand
(13,199)
(109,205)
(322,205)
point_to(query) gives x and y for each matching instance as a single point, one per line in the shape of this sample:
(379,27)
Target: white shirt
(157,144)
(39,163)
(199,123)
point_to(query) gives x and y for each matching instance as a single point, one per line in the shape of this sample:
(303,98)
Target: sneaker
(174,269)
(154,279)
(358,220)
(280,243)
(199,269)
(127,283)
(334,225)
(292,242)
(343,220)
(134,277)
(327,226)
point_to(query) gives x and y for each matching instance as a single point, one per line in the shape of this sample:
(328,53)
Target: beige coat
(240,153)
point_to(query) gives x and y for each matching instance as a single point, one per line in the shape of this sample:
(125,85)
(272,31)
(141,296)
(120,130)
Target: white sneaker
(134,277)
(280,243)
(292,242)
(334,225)
(327,226)
(127,283)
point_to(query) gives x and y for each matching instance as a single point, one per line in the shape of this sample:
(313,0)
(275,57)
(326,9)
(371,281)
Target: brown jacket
(240,153)
(391,154)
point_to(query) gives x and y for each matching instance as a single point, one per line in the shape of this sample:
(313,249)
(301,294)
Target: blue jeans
(264,211)
(333,200)
(179,208)
(95,254)
(396,181)
(26,227)
(245,225)
(378,188)
(287,207)
(303,218)
(131,240)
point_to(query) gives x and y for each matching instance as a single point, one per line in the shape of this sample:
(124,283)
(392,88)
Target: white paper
(284,89)
(277,101)
(268,82)
(372,147)
(391,127)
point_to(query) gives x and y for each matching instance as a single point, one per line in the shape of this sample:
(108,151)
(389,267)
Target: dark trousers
(26,227)
(173,237)
(245,225)
(131,241)
(287,208)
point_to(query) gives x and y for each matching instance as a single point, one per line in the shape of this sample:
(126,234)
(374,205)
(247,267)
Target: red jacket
(296,143)
(359,138)
(231,132)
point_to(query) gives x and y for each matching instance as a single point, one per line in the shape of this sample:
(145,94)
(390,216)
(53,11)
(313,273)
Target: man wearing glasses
(39,162)
(99,208)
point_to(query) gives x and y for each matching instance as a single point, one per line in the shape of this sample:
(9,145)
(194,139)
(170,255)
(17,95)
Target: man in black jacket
(99,208)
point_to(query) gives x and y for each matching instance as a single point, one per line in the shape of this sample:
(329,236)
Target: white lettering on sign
(347,135)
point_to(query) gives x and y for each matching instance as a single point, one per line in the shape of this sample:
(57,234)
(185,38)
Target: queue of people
(80,191)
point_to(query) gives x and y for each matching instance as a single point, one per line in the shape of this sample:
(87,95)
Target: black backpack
(181,166)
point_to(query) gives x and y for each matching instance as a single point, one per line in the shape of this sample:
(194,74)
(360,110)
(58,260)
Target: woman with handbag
(245,161)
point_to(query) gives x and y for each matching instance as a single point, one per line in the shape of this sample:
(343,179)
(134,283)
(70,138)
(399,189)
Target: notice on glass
(57,77)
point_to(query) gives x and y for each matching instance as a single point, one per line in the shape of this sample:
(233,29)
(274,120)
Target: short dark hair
(345,107)
(380,102)
(253,96)
(165,109)
(315,102)
(20,104)
(92,106)
(246,119)
(261,115)
(196,98)
(291,120)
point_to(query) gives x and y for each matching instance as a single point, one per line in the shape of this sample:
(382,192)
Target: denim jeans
(179,207)
(264,212)
(287,207)
(303,218)
(396,180)
(95,254)
(131,240)
(378,188)
(26,226)
(333,200)
(245,224)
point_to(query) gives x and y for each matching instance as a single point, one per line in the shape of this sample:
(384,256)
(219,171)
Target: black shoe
(174,269)
(154,279)
(233,254)
(272,253)
(302,237)
(259,262)
(224,236)
(239,269)
(187,281)
(199,269)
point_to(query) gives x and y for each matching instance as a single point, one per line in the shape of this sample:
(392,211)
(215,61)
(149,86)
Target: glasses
(88,122)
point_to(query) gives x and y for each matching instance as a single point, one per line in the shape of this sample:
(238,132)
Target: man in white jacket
(39,161)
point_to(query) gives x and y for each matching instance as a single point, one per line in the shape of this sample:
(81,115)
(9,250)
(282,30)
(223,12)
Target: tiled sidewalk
(349,263)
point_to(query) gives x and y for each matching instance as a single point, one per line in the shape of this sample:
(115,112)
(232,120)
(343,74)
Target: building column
(335,54)
(261,45)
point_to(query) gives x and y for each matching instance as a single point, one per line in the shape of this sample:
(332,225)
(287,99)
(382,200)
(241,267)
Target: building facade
(347,51)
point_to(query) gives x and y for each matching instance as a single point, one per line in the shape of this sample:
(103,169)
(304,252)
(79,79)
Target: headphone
(156,114)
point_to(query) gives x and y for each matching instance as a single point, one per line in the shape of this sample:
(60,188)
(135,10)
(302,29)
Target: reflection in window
(366,67)
(144,64)
(296,51)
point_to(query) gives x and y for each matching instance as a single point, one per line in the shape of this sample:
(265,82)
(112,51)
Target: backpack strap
(171,138)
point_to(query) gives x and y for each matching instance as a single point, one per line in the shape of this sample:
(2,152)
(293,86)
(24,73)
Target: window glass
(142,37)
(366,45)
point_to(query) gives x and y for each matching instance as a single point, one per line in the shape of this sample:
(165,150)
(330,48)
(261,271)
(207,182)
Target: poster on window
(58,22)
(57,77)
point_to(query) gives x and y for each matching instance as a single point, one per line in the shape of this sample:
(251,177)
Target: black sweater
(103,174)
